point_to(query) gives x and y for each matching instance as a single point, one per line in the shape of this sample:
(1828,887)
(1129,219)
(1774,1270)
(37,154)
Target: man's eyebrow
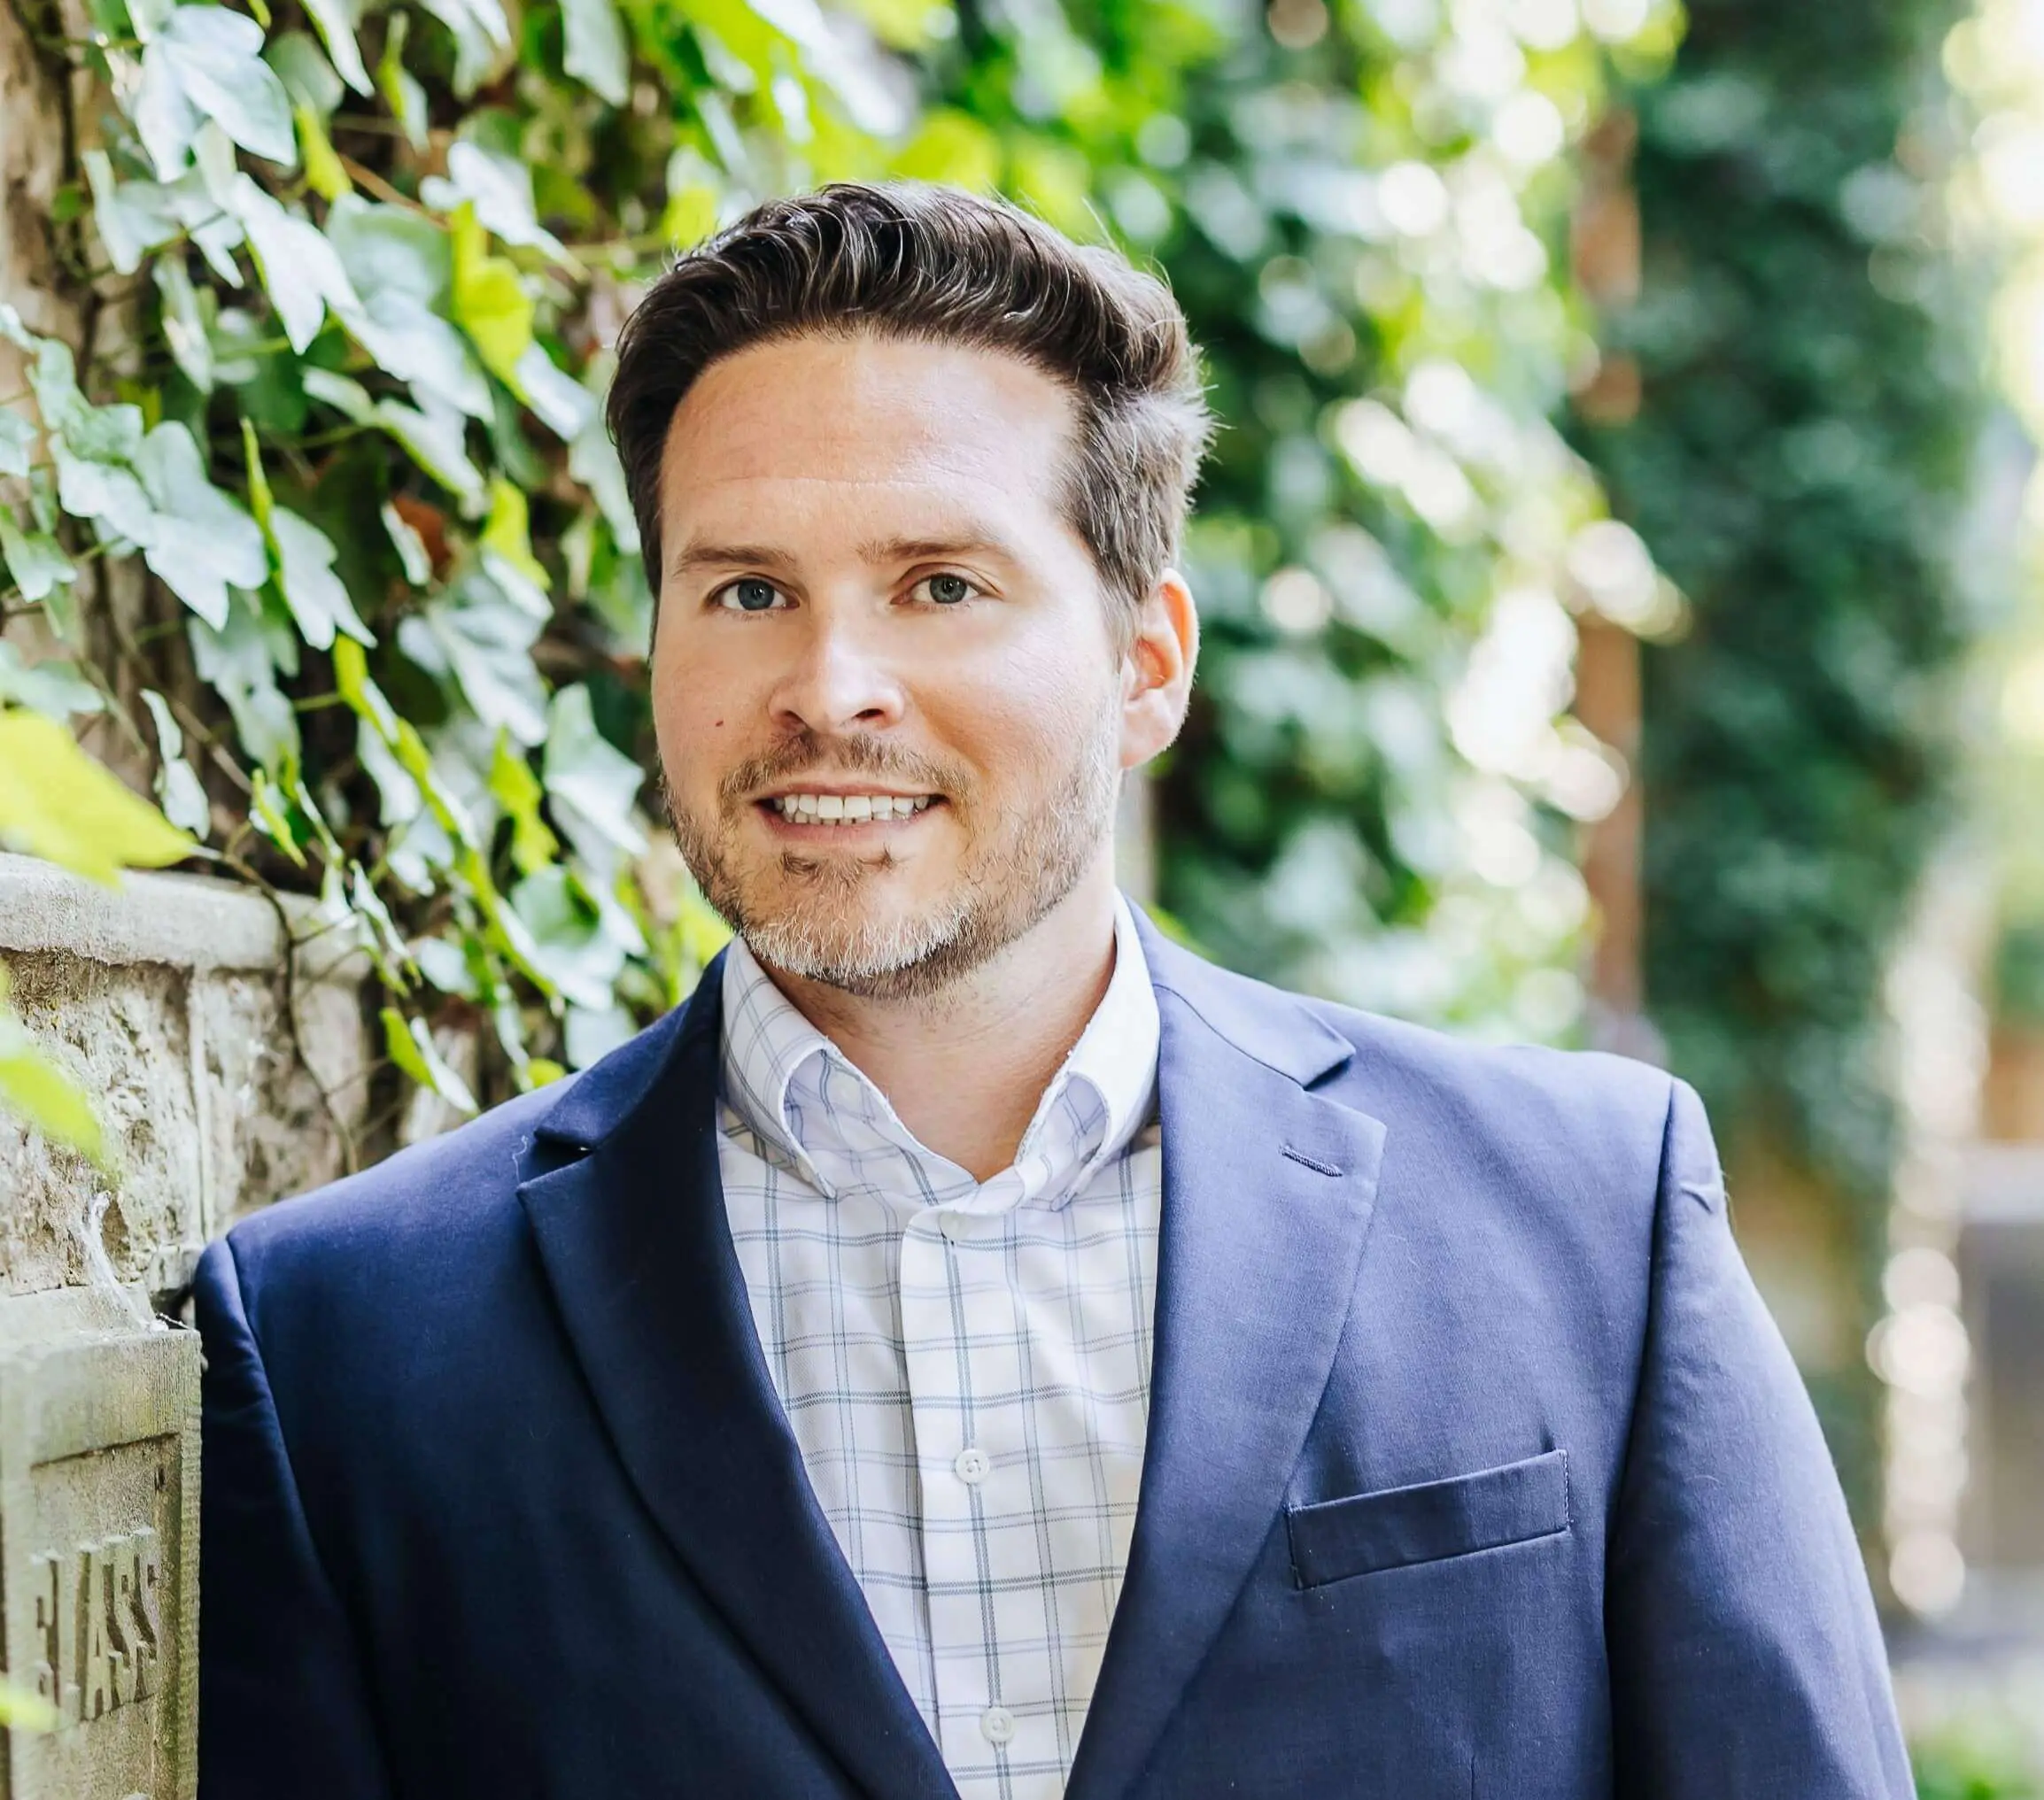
(692,557)
(884,550)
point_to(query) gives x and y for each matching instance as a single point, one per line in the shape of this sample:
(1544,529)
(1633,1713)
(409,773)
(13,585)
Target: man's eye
(946,589)
(750,595)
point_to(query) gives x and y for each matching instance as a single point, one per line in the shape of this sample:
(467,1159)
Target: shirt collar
(807,1104)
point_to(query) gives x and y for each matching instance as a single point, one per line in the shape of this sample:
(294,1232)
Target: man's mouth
(848,809)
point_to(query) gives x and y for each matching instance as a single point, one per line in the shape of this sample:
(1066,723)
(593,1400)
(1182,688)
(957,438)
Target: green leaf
(348,398)
(490,301)
(335,24)
(517,790)
(597,52)
(53,686)
(301,271)
(203,542)
(506,547)
(35,561)
(480,38)
(568,942)
(410,548)
(499,188)
(178,788)
(239,661)
(434,441)
(411,1048)
(308,77)
(113,497)
(184,324)
(592,786)
(562,403)
(133,217)
(17,443)
(401,91)
(316,595)
(483,646)
(34,1087)
(56,802)
(213,60)
(324,174)
(269,814)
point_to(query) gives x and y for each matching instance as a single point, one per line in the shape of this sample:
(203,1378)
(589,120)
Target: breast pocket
(1361,1533)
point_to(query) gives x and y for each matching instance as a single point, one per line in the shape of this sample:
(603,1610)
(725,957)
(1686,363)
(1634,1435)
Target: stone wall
(225,1077)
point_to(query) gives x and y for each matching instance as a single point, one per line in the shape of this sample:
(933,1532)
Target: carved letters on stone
(98,1549)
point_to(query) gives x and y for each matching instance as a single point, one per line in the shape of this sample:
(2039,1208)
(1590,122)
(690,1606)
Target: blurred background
(1621,563)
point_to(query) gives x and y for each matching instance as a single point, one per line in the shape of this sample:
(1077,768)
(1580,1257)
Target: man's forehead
(868,412)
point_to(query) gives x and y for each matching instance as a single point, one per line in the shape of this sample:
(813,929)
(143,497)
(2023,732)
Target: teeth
(848,809)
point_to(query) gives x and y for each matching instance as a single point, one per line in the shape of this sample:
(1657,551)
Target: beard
(814,916)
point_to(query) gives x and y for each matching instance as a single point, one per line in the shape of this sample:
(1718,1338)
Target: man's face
(889,700)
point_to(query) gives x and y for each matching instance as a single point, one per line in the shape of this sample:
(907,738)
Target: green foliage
(1798,465)
(57,803)
(385,248)
(1975,1760)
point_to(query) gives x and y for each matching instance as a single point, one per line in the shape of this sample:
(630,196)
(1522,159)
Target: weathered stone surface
(166,1000)
(98,1529)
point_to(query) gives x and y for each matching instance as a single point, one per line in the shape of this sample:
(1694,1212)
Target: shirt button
(996,1726)
(972,1465)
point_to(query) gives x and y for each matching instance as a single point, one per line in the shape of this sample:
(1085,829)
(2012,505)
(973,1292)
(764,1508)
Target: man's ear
(1157,670)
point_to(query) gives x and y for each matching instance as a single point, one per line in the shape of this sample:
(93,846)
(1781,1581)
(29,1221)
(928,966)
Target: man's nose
(839,679)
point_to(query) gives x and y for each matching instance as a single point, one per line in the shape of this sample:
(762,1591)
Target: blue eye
(948,589)
(754,595)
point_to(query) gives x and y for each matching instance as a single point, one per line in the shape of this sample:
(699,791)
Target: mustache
(810,753)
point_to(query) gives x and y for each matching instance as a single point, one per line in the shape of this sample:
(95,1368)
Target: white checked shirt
(965,1366)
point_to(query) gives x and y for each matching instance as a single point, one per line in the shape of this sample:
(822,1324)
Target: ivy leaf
(239,662)
(212,60)
(434,441)
(482,646)
(307,75)
(499,188)
(133,217)
(324,171)
(568,944)
(348,398)
(417,561)
(183,323)
(334,21)
(506,553)
(111,497)
(411,1048)
(35,561)
(301,271)
(402,264)
(562,404)
(518,792)
(56,802)
(33,1086)
(490,302)
(592,786)
(17,443)
(400,89)
(481,36)
(203,542)
(597,53)
(269,812)
(52,687)
(318,599)
(177,784)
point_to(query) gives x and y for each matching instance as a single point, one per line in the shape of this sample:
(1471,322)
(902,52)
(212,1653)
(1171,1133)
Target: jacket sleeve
(283,1705)
(1746,1656)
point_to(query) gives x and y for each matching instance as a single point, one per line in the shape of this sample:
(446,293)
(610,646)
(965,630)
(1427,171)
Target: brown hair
(909,261)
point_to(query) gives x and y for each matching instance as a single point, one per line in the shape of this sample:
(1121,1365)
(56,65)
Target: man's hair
(910,261)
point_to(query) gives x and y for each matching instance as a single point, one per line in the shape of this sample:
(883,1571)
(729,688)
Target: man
(975,1346)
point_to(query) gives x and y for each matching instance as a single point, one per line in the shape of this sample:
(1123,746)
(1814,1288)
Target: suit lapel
(633,1237)
(1269,1193)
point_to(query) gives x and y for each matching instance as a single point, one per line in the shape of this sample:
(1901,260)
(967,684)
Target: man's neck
(965,1070)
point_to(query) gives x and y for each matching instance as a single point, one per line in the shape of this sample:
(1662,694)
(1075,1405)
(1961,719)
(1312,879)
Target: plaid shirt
(965,1366)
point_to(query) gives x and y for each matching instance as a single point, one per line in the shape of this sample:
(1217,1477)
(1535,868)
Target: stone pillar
(223,1081)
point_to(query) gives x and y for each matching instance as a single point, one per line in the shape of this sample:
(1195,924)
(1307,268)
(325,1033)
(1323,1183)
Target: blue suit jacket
(1474,1468)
